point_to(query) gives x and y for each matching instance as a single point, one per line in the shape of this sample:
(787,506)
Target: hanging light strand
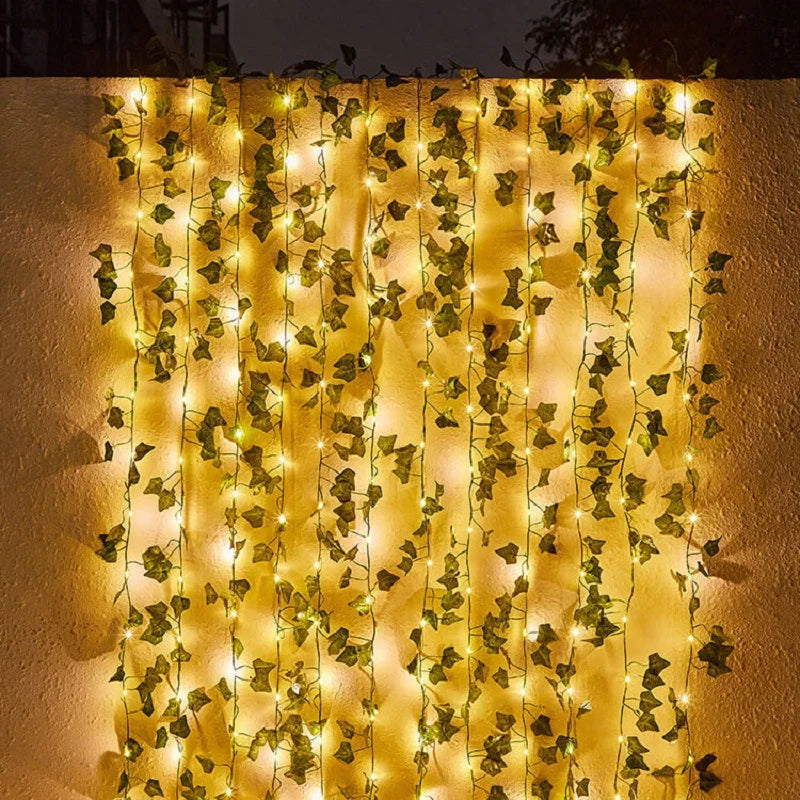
(473,630)
(181,513)
(529,488)
(281,500)
(234,607)
(575,416)
(687,373)
(422,754)
(322,360)
(125,779)
(371,409)
(638,410)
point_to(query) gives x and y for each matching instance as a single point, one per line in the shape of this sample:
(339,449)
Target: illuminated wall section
(409,458)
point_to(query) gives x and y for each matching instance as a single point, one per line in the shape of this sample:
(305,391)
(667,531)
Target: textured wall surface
(59,197)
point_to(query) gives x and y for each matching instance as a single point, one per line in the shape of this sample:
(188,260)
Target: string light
(308,314)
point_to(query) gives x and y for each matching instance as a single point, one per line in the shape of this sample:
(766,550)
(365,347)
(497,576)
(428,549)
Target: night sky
(402,34)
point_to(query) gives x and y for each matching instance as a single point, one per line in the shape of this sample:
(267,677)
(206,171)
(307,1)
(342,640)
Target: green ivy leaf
(161,213)
(112,103)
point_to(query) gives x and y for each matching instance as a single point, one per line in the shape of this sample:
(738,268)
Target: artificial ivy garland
(321,363)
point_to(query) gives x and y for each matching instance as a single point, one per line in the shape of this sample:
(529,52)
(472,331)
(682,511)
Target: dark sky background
(402,34)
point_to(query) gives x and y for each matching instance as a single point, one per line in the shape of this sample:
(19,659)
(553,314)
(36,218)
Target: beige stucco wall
(57,196)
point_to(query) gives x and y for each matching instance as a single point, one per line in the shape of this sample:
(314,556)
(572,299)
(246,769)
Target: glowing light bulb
(128,634)
(418,204)
(575,633)
(321,263)
(469,409)
(287,100)
(687,213)
(192,160)
(420,146)
(292,160)
(627,679)
(693,518)
(428,323)
(137,96)
(469,348)
(239,434)
(320,445)
(528,150)
(685,699)
(578,513)
(423,623)
(281,519)
(630,88)
(426,383)
(232,193)
(368,182)
(472,287)
(429,562)
(681,101)
(139,214)
(239,134)
(317,565)
(690,638)
(234,613)
(191,101)
(633,384)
